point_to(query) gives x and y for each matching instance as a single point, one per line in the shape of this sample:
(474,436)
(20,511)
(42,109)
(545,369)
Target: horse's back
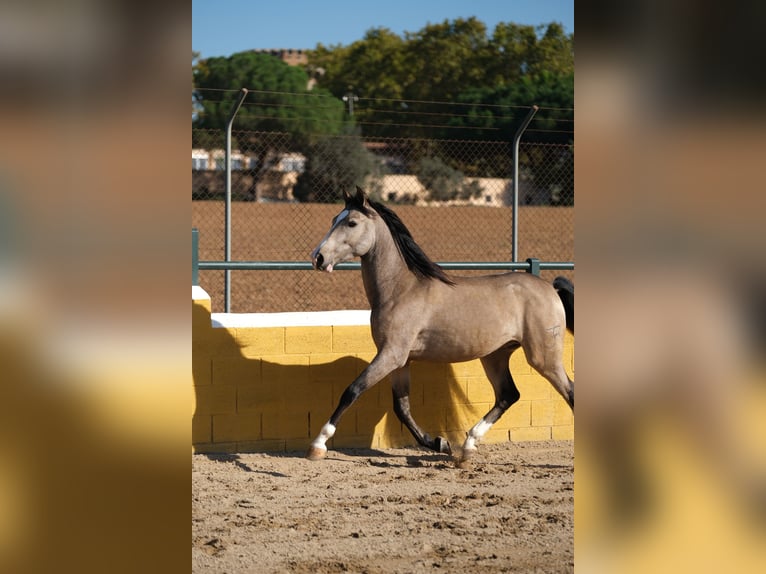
(478,315)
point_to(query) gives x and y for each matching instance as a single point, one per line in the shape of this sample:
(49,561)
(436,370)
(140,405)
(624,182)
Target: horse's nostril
(319,260)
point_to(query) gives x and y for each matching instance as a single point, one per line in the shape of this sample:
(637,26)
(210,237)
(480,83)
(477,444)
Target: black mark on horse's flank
(555,332)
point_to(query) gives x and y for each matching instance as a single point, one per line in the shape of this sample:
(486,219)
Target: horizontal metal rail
(530,265)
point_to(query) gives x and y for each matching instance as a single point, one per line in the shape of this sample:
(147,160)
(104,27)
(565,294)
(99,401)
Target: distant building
(291,56)
(295,57)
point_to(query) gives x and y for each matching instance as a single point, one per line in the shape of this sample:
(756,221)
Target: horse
(418,312)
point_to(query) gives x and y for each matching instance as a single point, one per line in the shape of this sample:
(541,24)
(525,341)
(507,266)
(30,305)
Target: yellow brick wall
(272,389)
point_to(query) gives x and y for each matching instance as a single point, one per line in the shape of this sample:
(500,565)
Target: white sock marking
(475,434)
(325,434)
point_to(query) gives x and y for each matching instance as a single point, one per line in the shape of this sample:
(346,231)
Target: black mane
(417,261)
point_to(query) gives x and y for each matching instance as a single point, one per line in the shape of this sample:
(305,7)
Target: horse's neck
(384,272)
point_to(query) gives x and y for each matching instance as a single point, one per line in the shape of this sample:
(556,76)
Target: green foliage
(335,164)
(398,80)
(371,67)
(443,182)
(279,100)
(498,107)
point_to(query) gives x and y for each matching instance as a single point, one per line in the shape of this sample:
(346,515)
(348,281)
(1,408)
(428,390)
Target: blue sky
(221,28)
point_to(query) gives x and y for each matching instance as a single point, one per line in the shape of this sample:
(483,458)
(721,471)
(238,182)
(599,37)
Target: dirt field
(395,511)
(281,231)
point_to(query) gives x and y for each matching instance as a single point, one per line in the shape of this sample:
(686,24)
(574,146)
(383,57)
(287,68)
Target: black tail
(565,288)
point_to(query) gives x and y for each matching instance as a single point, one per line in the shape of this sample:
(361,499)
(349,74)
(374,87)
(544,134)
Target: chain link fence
(454,195)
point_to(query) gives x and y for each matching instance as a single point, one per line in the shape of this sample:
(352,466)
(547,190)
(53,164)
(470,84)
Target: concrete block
(251,398)
(519,415)
(297,445)
(215,448)
(463,417)
(533,387)
(376,421)
(364,359)
(288,396)
(376,398)
(565,432)
(418,389)
(236,371)
(202,429)
(202,370)
(219,342)
(562,413)
(233,428)
(479,390)
(259,341)
(261,446)
(542,413)
(496,435)
(201,317)
(202,299)
(395,440)
(518,364)
(431,419)
(317,418)
(284,425)
(346,426)
(529,434)
(307,340)
(352,339)
(445,393)
(216,400)
(468,369)
(433,373)
(331,367)
(280,369)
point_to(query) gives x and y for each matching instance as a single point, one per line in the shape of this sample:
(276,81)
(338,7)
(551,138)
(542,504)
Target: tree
(279,102)
(445,59)
(360,64)
(405,85)
(335,164)
(518,51)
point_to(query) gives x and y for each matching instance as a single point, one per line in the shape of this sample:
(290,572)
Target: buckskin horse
(421,313)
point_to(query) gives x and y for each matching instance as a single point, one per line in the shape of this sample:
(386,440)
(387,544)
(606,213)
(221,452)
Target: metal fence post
(195,256)
(227,216)
(515,175)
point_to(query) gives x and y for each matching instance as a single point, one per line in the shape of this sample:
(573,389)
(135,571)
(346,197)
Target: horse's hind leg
(496,367)
(400,387)
(546,358)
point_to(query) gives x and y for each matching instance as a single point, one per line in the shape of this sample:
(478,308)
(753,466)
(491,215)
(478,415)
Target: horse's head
(352,233)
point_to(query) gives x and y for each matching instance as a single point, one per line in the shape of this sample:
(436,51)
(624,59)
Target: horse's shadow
(237,460)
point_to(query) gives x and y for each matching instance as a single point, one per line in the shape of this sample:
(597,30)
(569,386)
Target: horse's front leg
(400,386)
(381,365)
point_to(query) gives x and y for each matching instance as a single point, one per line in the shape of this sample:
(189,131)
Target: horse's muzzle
(318,261)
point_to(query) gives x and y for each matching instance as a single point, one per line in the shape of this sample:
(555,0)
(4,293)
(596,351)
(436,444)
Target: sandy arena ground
(396,511)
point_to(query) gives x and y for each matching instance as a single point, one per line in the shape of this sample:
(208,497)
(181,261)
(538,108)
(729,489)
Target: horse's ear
(347,197)
(361,197)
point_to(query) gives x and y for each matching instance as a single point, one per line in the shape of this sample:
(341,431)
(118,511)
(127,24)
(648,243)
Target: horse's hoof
(464,460)
(442,445)
(316,453)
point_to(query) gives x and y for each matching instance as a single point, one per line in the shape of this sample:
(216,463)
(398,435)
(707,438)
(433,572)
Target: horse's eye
(352,223)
